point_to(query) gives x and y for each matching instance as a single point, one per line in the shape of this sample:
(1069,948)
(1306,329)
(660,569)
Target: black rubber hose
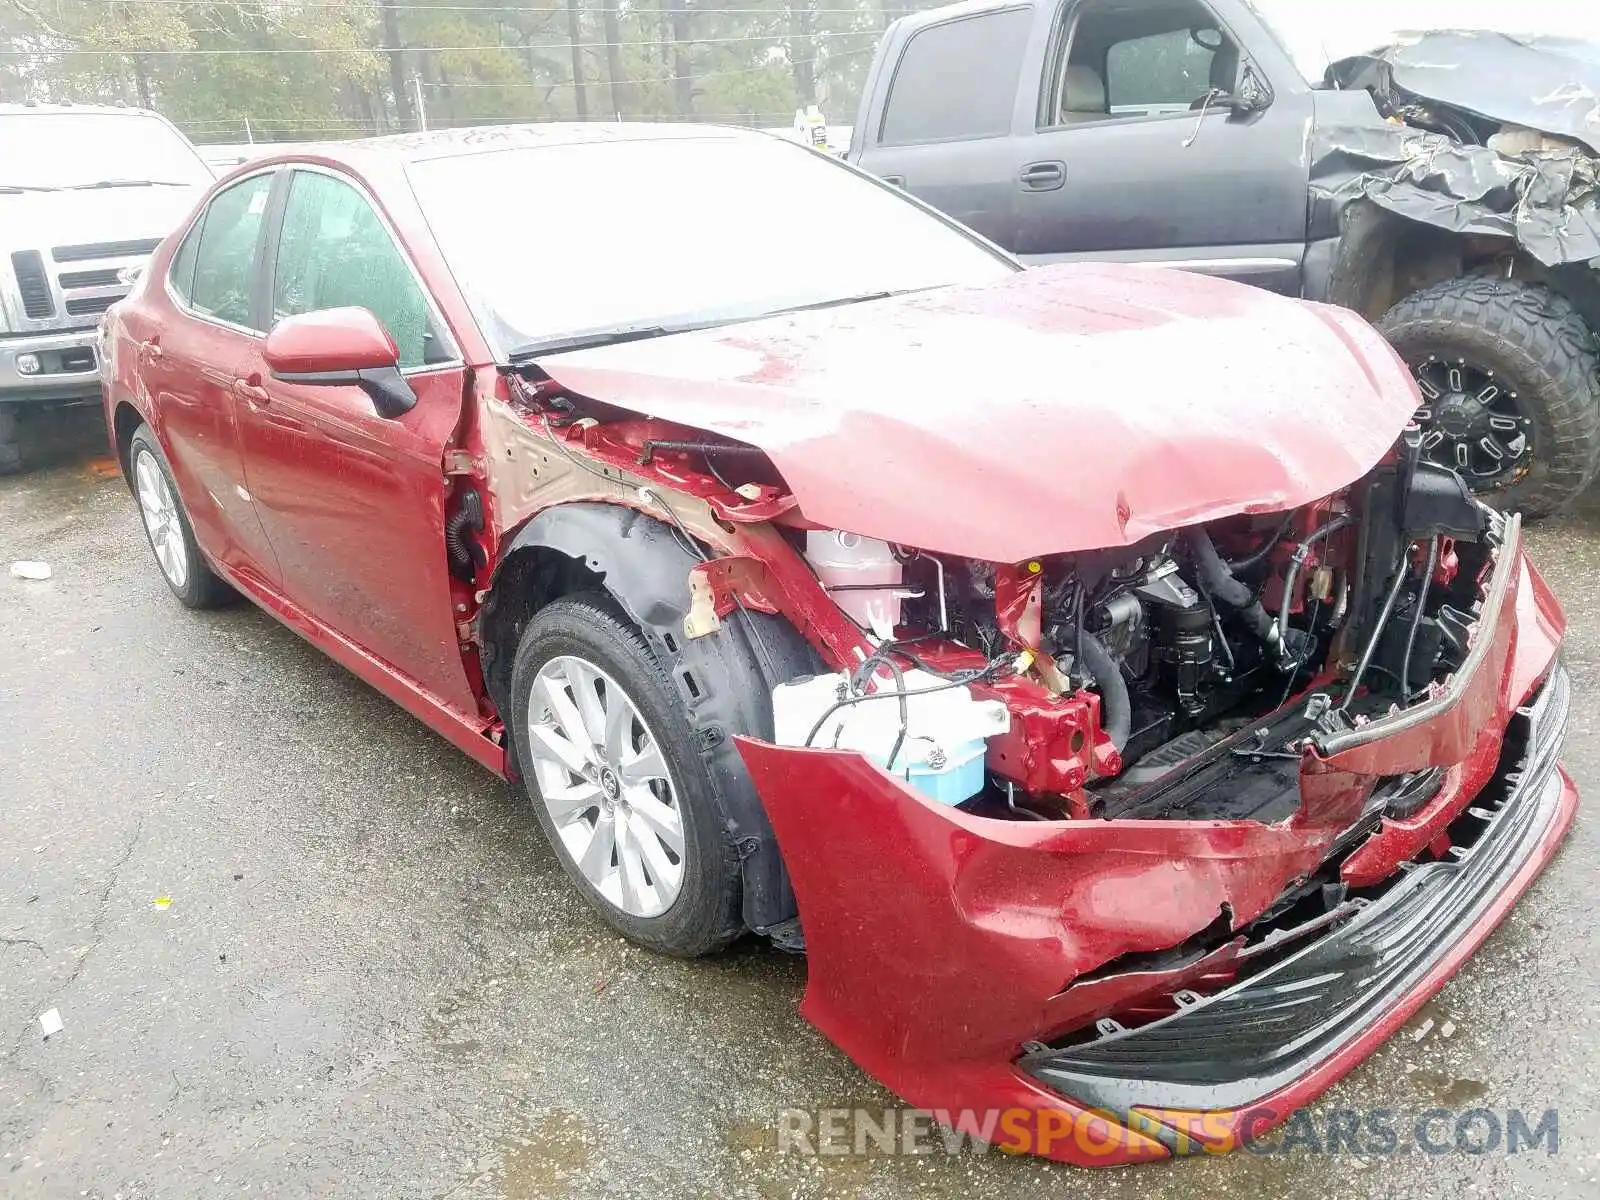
(1116,709)
(468,517)
(1256,557)
(1416,617)
(1220,583)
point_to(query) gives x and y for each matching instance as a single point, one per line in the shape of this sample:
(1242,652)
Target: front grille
(82,306)
(126,249)
(81,279)
(31,282)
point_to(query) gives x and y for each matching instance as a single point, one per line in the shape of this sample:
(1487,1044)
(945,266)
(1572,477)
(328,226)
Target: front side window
(224,261)
(957,80)
(335,252)
(1120,61)
(1160,73)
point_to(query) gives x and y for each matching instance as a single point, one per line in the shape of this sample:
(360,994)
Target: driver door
(1124,165)
(353,502)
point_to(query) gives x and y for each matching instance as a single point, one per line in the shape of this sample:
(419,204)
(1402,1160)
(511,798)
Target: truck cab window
(957,80)
(1148,60)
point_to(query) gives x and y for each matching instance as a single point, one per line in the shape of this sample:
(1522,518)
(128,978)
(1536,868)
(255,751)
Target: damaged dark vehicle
(1443,180)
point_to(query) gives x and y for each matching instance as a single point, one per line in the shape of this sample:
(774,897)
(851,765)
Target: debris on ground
(30,570)
(50,1021)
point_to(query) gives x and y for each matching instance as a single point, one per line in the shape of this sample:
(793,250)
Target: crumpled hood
(42,220)
(1062,409)
(1549,83)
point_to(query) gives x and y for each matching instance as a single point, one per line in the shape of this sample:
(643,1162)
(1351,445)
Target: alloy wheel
(609,792)
(1472,423)
(159,507)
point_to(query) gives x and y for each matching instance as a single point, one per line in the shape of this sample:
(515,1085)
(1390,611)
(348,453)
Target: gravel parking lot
(303,947)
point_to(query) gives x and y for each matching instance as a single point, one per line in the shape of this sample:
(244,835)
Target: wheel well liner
(125,421)
(723,681)
(1382,258)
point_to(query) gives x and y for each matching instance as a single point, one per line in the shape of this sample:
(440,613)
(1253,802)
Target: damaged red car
(1083,667)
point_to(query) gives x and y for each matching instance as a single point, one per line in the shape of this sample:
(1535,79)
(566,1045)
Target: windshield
(83,149)
(560,243)
(1316,33)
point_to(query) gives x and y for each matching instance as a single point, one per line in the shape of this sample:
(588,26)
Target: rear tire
(167,528)
(1525,344)
(588,629)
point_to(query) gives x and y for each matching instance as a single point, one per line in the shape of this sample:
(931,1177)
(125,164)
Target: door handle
(898,181)
(1043,176)
(251,392)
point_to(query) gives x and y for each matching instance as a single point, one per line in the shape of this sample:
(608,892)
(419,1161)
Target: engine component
(1183,620)
(1220,583)
(1116,708)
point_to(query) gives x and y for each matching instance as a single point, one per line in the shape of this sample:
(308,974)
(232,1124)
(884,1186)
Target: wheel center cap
(1459,417)
(610,785)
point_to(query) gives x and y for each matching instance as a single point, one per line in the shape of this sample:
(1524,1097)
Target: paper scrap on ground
(50,1022)
(30,570)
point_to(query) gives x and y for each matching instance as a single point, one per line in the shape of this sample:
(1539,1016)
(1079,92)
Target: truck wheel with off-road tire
(1510,380)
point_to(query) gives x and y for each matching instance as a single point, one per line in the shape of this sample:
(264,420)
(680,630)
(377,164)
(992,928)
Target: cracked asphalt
(302,947)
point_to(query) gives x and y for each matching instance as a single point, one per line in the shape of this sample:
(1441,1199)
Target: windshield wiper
(592,339)
(116,183)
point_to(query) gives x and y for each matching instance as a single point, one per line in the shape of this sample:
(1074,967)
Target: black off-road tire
(705,916)
(1532,337)
(203,588)
(10,442)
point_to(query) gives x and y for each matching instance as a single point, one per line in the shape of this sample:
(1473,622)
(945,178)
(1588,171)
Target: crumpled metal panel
(1232,1049)
(1062,409)
(1548,201)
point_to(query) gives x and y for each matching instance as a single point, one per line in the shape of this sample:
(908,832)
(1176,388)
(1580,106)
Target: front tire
(167,528)
(617,780)
(1510,382)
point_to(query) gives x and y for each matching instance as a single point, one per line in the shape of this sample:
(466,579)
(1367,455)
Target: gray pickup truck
(86,193)
(1442,183)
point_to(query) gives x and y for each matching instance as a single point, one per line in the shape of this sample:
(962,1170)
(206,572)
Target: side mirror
(341,346)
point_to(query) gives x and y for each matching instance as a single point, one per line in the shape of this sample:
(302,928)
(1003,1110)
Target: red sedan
(1081,666)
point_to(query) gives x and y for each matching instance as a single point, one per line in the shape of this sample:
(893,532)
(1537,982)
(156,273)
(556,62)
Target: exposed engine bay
(1186,676)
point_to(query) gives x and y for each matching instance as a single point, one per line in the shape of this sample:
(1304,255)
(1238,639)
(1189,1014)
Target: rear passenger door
(946,108)
(1126,160)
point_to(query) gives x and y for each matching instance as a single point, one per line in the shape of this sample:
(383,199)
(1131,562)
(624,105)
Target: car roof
(402,148)
(107,110)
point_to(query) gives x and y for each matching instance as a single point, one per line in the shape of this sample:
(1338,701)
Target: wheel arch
(125,422)
(1383,257)
(722,681)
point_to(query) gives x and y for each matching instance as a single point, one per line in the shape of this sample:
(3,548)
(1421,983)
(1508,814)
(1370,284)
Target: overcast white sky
(1320,31)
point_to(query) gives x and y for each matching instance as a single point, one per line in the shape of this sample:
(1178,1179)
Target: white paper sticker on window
(258,203)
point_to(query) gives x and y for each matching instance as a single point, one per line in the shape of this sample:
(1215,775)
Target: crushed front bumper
(1240,1048)
(955,957)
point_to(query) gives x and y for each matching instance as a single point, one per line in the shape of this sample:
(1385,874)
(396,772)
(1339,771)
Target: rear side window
(224,264)
(181,272)
(957,80)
